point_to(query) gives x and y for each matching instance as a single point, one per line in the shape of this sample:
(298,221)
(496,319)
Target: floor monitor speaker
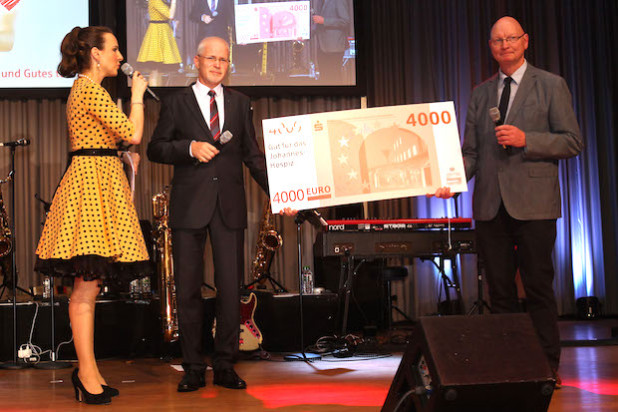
(472,363)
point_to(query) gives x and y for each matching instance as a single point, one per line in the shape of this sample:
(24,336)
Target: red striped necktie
(214,116)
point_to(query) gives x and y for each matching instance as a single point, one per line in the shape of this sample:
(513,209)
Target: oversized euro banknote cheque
(354,156)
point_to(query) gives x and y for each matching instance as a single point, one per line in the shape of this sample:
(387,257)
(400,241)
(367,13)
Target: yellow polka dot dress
(92,229)
(159,44)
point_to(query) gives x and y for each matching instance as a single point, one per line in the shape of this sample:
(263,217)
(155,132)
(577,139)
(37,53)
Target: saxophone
(268,242)
(5,230)
(162,235)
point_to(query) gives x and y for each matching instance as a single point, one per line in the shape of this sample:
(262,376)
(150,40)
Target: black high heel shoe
(82,395)
(110,391)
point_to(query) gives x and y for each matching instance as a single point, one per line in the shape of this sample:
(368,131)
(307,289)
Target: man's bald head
(205,42)
(508,42)
(504,23)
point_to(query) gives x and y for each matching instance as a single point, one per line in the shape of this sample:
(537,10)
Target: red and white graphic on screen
(282,24)
(9,4)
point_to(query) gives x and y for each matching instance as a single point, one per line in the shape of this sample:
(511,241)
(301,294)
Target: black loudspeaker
(472,363)
(278,318)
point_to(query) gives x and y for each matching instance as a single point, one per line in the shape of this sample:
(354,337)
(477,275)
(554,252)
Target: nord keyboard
(403,225)
(402,237)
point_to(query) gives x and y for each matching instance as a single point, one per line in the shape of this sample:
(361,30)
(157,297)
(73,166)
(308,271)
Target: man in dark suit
(516,197)
(208,197)
(331,24)
(213,17)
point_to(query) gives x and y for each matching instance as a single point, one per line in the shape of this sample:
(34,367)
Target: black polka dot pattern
(92,214)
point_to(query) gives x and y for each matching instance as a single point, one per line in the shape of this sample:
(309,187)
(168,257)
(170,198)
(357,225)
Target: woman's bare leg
(81,313)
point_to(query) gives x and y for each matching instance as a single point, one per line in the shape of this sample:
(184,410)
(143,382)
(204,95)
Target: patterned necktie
(214,116)
(504,99)
(213,5)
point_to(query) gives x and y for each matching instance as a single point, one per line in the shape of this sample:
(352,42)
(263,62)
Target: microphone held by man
(494,113)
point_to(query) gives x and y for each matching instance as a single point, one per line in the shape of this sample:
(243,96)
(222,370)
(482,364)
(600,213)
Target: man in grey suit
(516,197)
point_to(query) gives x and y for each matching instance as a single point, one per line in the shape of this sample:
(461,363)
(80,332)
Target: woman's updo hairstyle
(76,46)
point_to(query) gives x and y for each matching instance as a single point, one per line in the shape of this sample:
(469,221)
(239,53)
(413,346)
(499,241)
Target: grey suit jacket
(332,35)
(525,179)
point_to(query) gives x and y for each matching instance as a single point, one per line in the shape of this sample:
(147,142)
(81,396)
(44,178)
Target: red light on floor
(347,394)
(209,393)
(597,386)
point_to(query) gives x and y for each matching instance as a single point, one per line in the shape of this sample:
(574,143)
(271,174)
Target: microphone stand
(52,363)
(14,364)
(302,356)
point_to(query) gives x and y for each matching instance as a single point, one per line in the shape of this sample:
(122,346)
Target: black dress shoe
(192,381)
(558,379)
(229,379)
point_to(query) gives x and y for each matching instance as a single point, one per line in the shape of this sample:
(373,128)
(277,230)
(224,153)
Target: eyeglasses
(509,40)
(213,59)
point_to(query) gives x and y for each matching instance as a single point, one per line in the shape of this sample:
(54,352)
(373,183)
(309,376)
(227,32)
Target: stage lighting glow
(596,386)
(346,394)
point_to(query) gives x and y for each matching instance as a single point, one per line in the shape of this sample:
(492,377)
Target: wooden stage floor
(590,383)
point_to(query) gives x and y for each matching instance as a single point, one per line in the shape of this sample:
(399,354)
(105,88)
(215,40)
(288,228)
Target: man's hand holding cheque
(288,211)
(442,193)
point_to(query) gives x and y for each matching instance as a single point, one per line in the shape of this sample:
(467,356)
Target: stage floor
(590,383)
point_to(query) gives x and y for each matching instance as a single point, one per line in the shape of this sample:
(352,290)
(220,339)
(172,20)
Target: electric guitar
(250,336)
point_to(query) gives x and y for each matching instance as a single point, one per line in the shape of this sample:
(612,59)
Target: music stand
(351,275)
(11,177)
(313,217)
(479,304)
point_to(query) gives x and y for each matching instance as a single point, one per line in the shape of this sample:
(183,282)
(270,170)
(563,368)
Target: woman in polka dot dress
(92,231)
(159,44)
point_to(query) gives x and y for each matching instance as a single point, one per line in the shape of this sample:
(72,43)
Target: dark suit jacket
(525,179)
(198,187)
(217,27)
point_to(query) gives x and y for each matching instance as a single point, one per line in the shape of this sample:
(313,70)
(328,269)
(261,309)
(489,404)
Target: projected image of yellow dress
(159,44)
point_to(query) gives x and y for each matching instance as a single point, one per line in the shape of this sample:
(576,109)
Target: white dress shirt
(203,100)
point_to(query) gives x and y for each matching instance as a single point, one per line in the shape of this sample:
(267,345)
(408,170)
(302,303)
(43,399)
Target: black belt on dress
(94,152)
(159,21)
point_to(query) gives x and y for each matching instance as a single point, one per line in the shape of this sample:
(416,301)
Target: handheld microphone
(225,137)
(494,113)
(18,142)
(128,70)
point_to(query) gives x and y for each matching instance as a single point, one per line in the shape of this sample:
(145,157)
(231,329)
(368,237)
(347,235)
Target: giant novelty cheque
(354,156)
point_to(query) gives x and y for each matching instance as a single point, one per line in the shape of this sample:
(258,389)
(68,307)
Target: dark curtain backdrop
(416,51)
(422,51)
